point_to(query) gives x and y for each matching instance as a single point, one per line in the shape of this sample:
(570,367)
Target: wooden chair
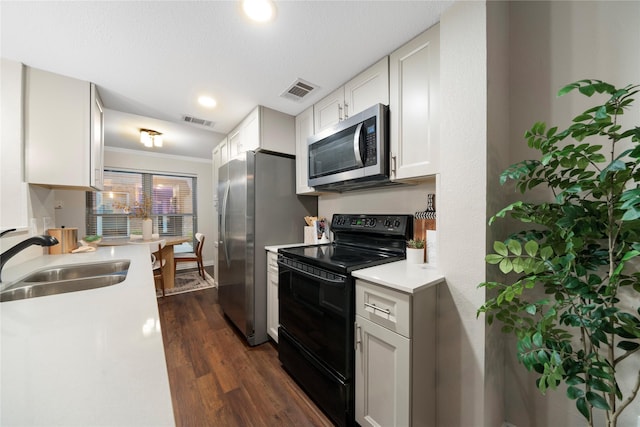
(195,256)
(157,262)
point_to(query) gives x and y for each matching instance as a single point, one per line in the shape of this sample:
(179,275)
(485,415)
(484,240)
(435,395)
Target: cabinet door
(304,129)
(250,132)
(414,107)
(14,192)
(57,130)
(382,376)
(369,88)
(329,110)
(97,140)
(235,143)
(224,151)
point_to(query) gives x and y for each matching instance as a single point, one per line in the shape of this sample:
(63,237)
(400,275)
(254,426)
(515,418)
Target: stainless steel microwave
(353,154)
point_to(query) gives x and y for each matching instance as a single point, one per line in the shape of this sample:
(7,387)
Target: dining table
(168,274)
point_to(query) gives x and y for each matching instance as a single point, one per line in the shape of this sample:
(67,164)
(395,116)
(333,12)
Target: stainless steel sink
(77,271)
(67,278)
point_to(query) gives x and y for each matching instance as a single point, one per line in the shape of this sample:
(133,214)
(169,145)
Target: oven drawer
(334,395)
(383,306)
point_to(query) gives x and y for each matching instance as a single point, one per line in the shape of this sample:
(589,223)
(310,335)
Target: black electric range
(317,305)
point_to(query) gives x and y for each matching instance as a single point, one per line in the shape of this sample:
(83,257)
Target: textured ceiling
(152,59)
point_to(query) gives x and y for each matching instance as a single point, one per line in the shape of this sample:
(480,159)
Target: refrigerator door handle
(223,226)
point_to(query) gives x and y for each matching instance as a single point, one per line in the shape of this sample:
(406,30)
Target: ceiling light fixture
(259,10)
(150,138)
(207,101)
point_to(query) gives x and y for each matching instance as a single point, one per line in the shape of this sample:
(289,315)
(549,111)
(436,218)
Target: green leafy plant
(571,288)
(415,244)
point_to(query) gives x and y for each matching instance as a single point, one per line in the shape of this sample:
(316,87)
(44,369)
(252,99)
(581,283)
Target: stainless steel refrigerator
(258,207)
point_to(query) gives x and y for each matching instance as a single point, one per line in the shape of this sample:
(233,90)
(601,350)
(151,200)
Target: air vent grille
(197,121)
(298,90)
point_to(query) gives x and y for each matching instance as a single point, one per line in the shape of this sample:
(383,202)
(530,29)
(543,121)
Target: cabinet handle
(393,165)
(340,113)
(346,110)
(375,307)
(357,336)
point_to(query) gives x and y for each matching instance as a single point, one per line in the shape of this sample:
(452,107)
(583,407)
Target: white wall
(552,44)
(462,207)
(498,118)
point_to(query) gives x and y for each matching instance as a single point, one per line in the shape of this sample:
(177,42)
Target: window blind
(117,210)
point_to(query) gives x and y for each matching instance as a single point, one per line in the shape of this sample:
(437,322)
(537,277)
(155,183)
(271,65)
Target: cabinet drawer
(385,307)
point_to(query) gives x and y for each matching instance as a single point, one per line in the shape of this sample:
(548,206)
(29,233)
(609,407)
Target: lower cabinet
(395,356)
(272,295)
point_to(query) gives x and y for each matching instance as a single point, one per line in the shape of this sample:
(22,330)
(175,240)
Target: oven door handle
(340,281)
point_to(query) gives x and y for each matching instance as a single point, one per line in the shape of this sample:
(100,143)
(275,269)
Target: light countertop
(85,358)
(401,276)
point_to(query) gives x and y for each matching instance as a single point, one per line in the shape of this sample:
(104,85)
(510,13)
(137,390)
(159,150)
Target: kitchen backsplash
(401,199)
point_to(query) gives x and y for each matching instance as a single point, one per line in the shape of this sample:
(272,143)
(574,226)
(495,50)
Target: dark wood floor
(216,379)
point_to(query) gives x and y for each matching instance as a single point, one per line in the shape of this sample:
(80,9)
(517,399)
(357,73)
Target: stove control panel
(382,224)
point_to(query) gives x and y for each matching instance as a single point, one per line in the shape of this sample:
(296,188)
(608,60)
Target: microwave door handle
(356,146)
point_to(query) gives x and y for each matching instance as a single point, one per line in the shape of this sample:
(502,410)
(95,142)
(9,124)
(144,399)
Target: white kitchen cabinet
(366,89)
(272,295)
(414,108)
(304,129)
(13,191)
(64,131)
(395,356)
(263,129)
(235,143)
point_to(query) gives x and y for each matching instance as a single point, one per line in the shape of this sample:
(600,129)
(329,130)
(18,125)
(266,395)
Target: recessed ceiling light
(259,10)
(207,101)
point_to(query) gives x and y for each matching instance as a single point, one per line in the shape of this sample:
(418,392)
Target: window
(173,204)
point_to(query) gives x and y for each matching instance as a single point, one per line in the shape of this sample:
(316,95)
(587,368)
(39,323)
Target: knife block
(67,240)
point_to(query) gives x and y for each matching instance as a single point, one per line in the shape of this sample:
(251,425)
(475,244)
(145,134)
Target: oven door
(316,310)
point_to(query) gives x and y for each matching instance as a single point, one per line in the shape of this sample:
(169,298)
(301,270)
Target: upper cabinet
(304,129)
(64,131)
(13,191)
(263,129)
(366,89)
(220,157)
(414,109)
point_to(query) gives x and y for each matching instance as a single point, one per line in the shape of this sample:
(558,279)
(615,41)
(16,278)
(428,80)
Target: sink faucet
(35,240)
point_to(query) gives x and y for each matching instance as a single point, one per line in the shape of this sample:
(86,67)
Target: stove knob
(372,223)
(396,223)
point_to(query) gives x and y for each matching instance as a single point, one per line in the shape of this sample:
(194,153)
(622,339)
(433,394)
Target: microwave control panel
(370,137)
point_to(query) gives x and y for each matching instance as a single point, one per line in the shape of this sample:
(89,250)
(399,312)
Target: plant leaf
(574,392)
(515,247)
(531,247)
(500,248)
(493,258)
(597,401)
(582,406)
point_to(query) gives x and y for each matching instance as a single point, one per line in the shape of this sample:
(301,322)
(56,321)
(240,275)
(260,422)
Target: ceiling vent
(298,90)
(197,121)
